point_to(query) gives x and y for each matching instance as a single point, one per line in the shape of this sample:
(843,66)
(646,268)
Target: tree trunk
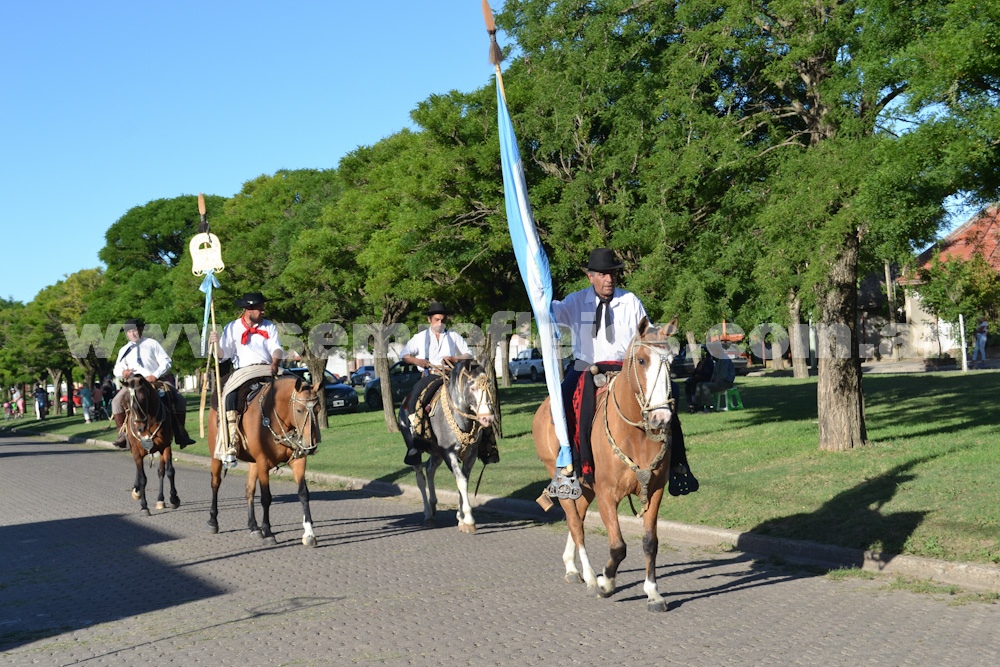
(840,397)
(56,376)
(382,371)
(490,361)
(800,352)
(317,368)
(504,355)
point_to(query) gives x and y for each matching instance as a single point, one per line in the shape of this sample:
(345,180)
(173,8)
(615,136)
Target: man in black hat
(603,319)
(251,343)
(146,357)
(429,350)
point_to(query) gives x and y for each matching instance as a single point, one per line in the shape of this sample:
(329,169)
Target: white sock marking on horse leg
(652,592)
(589,577)
(569,556)
(422,485)
(606,584)
(307,529)
(465,509)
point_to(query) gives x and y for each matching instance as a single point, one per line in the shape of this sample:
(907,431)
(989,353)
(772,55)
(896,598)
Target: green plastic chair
(728,400)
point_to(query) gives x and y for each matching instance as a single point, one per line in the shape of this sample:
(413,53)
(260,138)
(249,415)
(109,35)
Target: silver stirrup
(564,487)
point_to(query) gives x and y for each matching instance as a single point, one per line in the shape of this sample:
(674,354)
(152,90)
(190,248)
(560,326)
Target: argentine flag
(534,266)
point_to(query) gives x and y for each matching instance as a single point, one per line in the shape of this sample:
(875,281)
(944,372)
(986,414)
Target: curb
(973,577)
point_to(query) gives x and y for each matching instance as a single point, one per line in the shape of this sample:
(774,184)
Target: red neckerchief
(251,330)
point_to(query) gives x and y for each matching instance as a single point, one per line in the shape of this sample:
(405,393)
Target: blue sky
(106,105)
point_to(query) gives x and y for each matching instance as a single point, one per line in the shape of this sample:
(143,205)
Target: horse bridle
(464,438)
(137,413)
(294,439)
(643,475)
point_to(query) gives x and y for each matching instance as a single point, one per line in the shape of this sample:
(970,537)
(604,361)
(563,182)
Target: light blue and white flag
(534,266)
(207,284)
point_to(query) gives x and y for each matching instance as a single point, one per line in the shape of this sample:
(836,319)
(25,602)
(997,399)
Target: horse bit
(288,437)
(644,475)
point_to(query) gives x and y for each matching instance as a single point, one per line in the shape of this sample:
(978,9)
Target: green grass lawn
(927,485)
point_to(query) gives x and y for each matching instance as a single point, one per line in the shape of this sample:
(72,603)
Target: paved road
(86,580)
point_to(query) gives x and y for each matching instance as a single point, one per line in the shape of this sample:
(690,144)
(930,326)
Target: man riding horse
(603,319)
(146,357)
(251,343)
(429,350)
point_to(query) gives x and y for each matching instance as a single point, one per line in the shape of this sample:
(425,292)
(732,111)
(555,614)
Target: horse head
(469,390)
(147,416)
(295,404)
(647,367)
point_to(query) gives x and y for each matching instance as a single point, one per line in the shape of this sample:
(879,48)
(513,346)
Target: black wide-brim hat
(603,260)
(133,324)
(436,308)
(251,300)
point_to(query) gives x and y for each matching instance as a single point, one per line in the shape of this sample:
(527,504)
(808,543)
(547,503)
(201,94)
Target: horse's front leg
(429,509)
(466,524)
(263,480)
(139,488)
(608,506)
(251,488)
(650,546)
(298,467)
(213,512)
(576,545)
(175,500)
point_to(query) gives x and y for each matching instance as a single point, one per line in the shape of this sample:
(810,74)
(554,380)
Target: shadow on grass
(854,518)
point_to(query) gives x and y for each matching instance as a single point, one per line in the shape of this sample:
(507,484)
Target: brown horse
(631,449)
(148,428)
(280,425)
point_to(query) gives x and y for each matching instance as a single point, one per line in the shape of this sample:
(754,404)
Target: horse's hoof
(468,528)
(656,605)
(269,541)
(174,504)
(593,591)
(309,540)
(430,523)
(144,511)
(135,495)
(256,533)
(213,529)
(573,578)
(160,505)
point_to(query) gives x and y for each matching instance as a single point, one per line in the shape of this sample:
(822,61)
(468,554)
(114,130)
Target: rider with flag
(252,344)
(603,319)
(146,357)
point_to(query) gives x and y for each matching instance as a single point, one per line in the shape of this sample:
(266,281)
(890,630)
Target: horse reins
(288,437)
(643,475)
(138,413)
(465,438)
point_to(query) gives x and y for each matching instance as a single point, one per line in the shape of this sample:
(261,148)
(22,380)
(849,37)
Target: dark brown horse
(280,425)
(631,450)
(148,428)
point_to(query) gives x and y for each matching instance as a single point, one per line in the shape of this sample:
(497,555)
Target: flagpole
(532,260)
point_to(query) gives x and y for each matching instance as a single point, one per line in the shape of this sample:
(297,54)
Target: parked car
(527,363)
(362,376)
(340,398)
(404,377)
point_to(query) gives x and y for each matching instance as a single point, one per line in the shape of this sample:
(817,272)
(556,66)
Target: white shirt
(154,359)
(258,350)
(425,345)
(577,312)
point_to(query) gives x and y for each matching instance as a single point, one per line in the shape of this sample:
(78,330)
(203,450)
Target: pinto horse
(280,425)
(631,449)
(461,415)
(149,432)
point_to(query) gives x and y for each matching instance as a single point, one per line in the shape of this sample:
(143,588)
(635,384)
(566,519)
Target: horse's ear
(643,325)
(673,327)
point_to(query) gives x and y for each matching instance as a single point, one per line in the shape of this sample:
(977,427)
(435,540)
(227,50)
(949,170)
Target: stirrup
(564,487)
(682,482)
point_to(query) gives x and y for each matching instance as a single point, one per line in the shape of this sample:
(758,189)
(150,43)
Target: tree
(954,286)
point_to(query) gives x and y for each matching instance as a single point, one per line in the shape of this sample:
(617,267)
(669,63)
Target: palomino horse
(279,425)
(461,415)
(631,449)
(148,427)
